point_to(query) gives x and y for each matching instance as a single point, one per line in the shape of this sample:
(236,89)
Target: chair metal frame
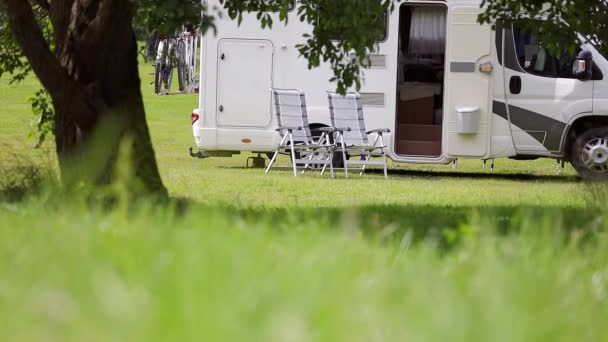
(364,148)
(309,147)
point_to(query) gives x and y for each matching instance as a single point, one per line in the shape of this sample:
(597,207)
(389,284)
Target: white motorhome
(447,87)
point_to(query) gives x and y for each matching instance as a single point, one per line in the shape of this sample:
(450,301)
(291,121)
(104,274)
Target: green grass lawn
(430,254)
(226,181)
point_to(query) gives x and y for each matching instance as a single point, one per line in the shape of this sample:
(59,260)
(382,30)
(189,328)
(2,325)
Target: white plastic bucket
(467,120)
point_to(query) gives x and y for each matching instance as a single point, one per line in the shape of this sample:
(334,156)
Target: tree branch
(29,37)
(62,88)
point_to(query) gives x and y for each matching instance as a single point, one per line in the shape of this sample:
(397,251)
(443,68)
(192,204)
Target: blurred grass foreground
(74,271)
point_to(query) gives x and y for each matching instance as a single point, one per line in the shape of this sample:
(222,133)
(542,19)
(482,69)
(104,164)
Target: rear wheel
(338,160)
(158,78)
(590,154)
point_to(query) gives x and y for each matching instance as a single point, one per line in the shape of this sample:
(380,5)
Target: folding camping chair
(297,140)
(351,137)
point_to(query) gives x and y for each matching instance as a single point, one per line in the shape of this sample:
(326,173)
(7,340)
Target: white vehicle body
(241,63)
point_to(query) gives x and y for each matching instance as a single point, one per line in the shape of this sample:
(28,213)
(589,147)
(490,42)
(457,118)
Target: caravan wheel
(590,154)
(338,161)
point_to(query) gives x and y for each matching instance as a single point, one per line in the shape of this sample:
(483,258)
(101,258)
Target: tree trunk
(94,82)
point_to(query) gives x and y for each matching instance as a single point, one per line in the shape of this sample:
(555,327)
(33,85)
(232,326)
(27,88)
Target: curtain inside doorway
(428,31)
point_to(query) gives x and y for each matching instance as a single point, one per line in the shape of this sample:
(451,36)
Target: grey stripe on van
(462,67)
(373,99)
(376,61)
(533,123)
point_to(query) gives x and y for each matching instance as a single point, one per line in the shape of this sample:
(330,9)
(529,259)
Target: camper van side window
(535,59)
(337,35)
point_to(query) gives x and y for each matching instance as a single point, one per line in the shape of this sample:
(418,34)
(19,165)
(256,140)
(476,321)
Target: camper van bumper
(225,139)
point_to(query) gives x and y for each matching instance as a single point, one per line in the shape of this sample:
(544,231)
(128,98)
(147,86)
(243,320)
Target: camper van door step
(419,148)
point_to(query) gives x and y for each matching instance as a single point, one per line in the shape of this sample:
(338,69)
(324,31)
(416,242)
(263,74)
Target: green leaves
(556,21)
(45,124)
(170,16)
(12,61)
(344,32)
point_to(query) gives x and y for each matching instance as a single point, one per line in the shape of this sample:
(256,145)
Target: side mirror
(583,66)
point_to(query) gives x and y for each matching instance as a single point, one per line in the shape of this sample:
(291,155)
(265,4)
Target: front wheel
(590,154)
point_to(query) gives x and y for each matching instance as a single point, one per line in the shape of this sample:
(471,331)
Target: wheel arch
(579,125)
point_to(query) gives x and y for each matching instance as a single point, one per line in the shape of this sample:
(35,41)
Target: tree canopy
(561,19)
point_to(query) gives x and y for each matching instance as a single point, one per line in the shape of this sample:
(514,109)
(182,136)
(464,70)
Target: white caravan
(447,87)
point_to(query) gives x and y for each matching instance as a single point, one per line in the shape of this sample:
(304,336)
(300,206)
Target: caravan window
(534,58)
(383,22)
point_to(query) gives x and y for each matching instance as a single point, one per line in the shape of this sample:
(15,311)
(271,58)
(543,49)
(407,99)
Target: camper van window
(337,35)
(535,59)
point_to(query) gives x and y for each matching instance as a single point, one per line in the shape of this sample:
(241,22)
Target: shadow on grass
(401,173)
(443,224)
(475,175)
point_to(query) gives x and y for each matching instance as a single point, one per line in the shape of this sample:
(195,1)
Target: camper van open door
(469,87)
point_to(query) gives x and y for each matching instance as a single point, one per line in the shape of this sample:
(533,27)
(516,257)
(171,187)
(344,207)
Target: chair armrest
(379,131)
(298,128)
(342,129)
(326,129)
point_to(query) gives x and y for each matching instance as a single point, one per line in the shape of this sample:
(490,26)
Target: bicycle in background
(165,56)
(187,44)
(179,51)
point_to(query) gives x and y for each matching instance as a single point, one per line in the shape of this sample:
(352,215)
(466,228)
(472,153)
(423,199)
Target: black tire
(181,65)
(338,160)
(158,78)
(181,77)
(168,76)
(581,153)
(151,48)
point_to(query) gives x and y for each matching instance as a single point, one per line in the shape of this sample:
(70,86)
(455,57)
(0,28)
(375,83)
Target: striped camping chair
(297,140)
(350,134)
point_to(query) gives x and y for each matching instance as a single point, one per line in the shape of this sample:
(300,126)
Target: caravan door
(469,48)
(542,94)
